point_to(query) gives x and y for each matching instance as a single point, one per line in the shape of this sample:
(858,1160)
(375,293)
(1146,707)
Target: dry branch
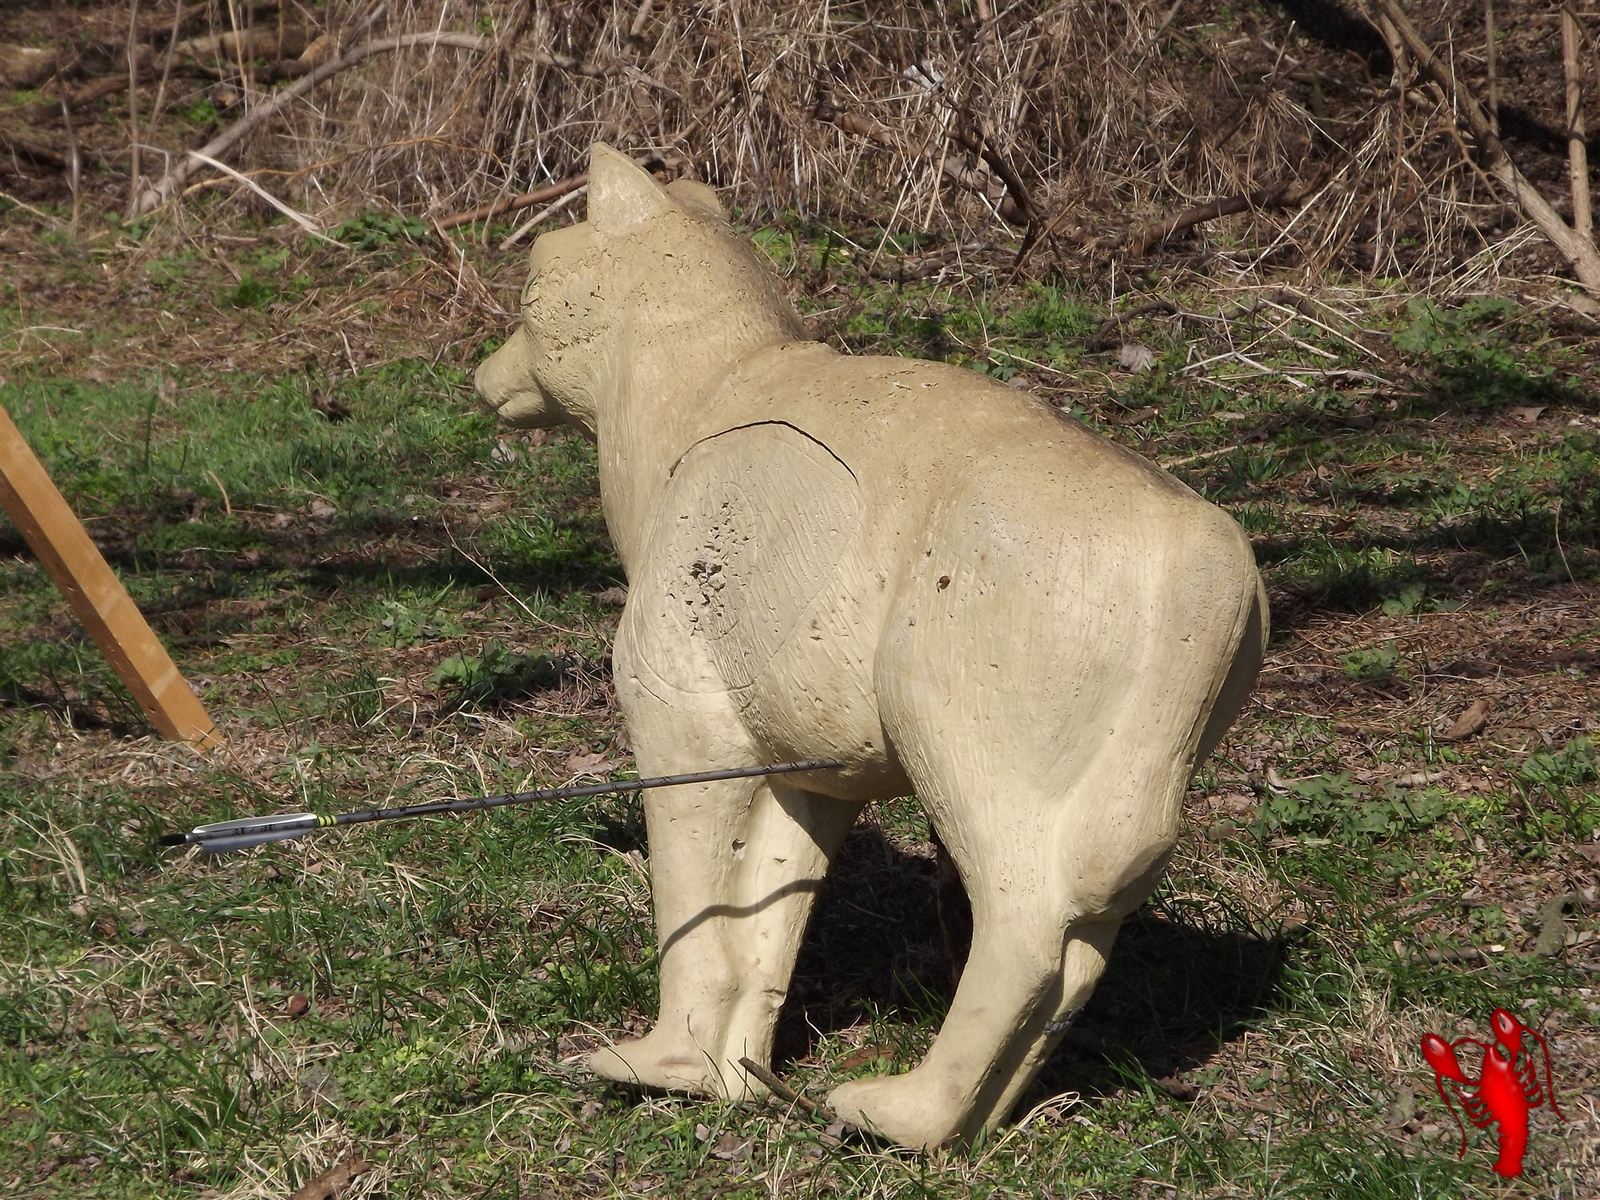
(1111,328)
(1577,151)
(1288,194)
(487,212)
(43,156)
(1012,203)
(1461,105)
(181,169)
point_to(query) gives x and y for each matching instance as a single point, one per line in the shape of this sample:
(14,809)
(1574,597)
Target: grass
(423,993)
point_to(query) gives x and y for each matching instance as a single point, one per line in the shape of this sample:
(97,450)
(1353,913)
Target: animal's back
(1010,553)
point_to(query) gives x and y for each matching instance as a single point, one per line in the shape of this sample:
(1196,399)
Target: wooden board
(96,595)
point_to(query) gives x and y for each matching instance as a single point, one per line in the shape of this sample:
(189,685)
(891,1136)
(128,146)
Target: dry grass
(909,116)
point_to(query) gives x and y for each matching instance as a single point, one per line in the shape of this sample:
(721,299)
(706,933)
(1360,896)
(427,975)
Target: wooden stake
(98,599)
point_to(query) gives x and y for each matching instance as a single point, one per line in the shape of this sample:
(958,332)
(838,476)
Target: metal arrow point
(222,836)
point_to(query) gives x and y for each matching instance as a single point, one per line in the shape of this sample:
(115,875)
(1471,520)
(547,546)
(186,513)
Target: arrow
(220,837)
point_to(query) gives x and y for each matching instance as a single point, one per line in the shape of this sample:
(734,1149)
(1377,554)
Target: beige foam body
(899,564)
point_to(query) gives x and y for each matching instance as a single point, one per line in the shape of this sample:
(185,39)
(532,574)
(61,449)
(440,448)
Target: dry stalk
(1088,118)
(180,171)
(1578,250)
(1577,150)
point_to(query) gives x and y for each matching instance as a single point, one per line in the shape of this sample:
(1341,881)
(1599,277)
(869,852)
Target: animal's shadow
(1180,982)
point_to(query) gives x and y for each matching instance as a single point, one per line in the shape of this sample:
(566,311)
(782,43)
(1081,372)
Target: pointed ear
(694,194)
(621,195)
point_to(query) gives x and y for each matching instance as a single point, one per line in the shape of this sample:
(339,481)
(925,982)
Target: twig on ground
(41,155)
(1111,327)
(299,218)
(1280,195)
(544,214)
(181,169)
(784,1092)
(487,212)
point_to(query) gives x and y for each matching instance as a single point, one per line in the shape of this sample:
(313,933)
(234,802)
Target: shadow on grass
(1180,981)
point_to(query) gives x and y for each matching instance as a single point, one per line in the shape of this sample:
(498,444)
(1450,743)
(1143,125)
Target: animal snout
(506,383)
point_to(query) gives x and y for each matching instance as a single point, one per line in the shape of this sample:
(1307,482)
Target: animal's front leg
(696,833)
(693,831)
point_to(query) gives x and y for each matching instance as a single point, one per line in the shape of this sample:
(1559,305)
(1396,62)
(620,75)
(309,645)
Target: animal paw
(654,1061)
(906,1109)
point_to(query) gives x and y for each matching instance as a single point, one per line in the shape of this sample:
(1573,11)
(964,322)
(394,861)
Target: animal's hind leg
(1025,977)
(1051,870)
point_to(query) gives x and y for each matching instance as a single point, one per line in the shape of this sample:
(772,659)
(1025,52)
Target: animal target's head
(585,283)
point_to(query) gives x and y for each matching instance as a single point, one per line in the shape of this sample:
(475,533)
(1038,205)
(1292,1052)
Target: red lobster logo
(1507,1086)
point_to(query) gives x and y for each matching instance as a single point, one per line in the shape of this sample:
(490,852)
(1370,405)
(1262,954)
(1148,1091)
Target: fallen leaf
(859,1059)
(702,1132)
(321,509)
(1136,358)
(1471,721)
(332,407)
(1133,416)
(1580,303)
(1177,1088)
(730,1148)
(1591,852)
(318,1085)
(333,1181)
(1418,778)
(1525,414)
(1553,926)
(584,763)
(1402,1110)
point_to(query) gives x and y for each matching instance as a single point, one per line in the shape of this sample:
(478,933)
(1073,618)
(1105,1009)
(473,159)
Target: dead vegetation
(1371,141)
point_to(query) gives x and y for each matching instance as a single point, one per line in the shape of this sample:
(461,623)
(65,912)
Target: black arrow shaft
(246,832)
(478,803)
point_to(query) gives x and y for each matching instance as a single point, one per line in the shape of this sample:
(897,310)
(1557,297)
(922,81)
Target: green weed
(496,674)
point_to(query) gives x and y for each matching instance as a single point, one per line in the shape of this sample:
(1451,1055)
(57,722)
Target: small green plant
(201,112)
(251,292)
(360,701)
(1473,329)
(1375,664)
(411,617)
(1354,578)
(373,231)
(1409,601)
(496,674)
(1474,365)
(1338,806)
(1574,764)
